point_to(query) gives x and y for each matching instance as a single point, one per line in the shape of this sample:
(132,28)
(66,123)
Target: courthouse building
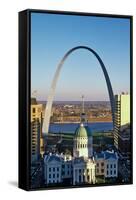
(85,165)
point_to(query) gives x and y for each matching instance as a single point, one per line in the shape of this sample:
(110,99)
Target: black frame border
(24,159)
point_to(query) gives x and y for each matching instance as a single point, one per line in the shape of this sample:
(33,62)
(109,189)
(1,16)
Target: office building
(36,131)
(122,115)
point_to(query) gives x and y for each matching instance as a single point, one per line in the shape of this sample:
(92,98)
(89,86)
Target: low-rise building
(58,169)
(107,164)
(52,169)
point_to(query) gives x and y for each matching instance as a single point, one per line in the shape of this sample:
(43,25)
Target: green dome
(83,131)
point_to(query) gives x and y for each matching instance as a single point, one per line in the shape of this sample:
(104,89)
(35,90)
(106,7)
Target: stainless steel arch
(45,127)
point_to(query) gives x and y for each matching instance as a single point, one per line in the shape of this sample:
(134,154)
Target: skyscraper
(36,130)
(122,115)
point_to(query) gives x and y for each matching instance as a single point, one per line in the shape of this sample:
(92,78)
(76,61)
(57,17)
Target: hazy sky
(53,35)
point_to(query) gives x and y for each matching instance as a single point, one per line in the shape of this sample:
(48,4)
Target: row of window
(38,110)
(111,172)
(82,170)
(102,164)
(108,165)
(54,181)
(111,166)
(53,169)
(81,145)
(100,171)
(53,175)
(108,172)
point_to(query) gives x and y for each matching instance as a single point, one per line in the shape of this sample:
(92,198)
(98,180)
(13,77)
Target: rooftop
(106,155)
(33,101)
(83,131)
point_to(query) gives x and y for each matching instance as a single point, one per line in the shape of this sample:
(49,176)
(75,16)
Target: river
(71,127)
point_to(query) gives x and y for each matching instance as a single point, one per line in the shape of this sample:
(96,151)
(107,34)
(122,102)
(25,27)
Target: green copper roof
(83,131)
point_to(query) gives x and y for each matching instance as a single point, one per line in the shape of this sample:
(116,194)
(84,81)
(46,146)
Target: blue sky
(53,35)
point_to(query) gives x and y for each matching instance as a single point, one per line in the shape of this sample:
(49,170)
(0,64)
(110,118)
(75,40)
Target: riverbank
(93,121)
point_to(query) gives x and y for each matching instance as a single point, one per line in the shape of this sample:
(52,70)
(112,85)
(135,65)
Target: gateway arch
(46,122)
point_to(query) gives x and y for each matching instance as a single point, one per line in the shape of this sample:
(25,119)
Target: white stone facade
(78,170)
(80,147)
(83,171)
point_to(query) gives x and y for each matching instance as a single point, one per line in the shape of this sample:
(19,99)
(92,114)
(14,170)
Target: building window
(102,170)
(114,171)
(80,178)
(111,172)
(97,170)
(49,169)
(63,172)
(97,164)
(114,165)
(54,169)
(57,168)
(107,172)
(49,175)
(88,178)
(79,170)
(57,175)
(111,165)
(102,164)
(53,175)
(33,110)
(107,166)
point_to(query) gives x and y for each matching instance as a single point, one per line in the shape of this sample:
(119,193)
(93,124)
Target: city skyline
(80,143)
(47,51)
